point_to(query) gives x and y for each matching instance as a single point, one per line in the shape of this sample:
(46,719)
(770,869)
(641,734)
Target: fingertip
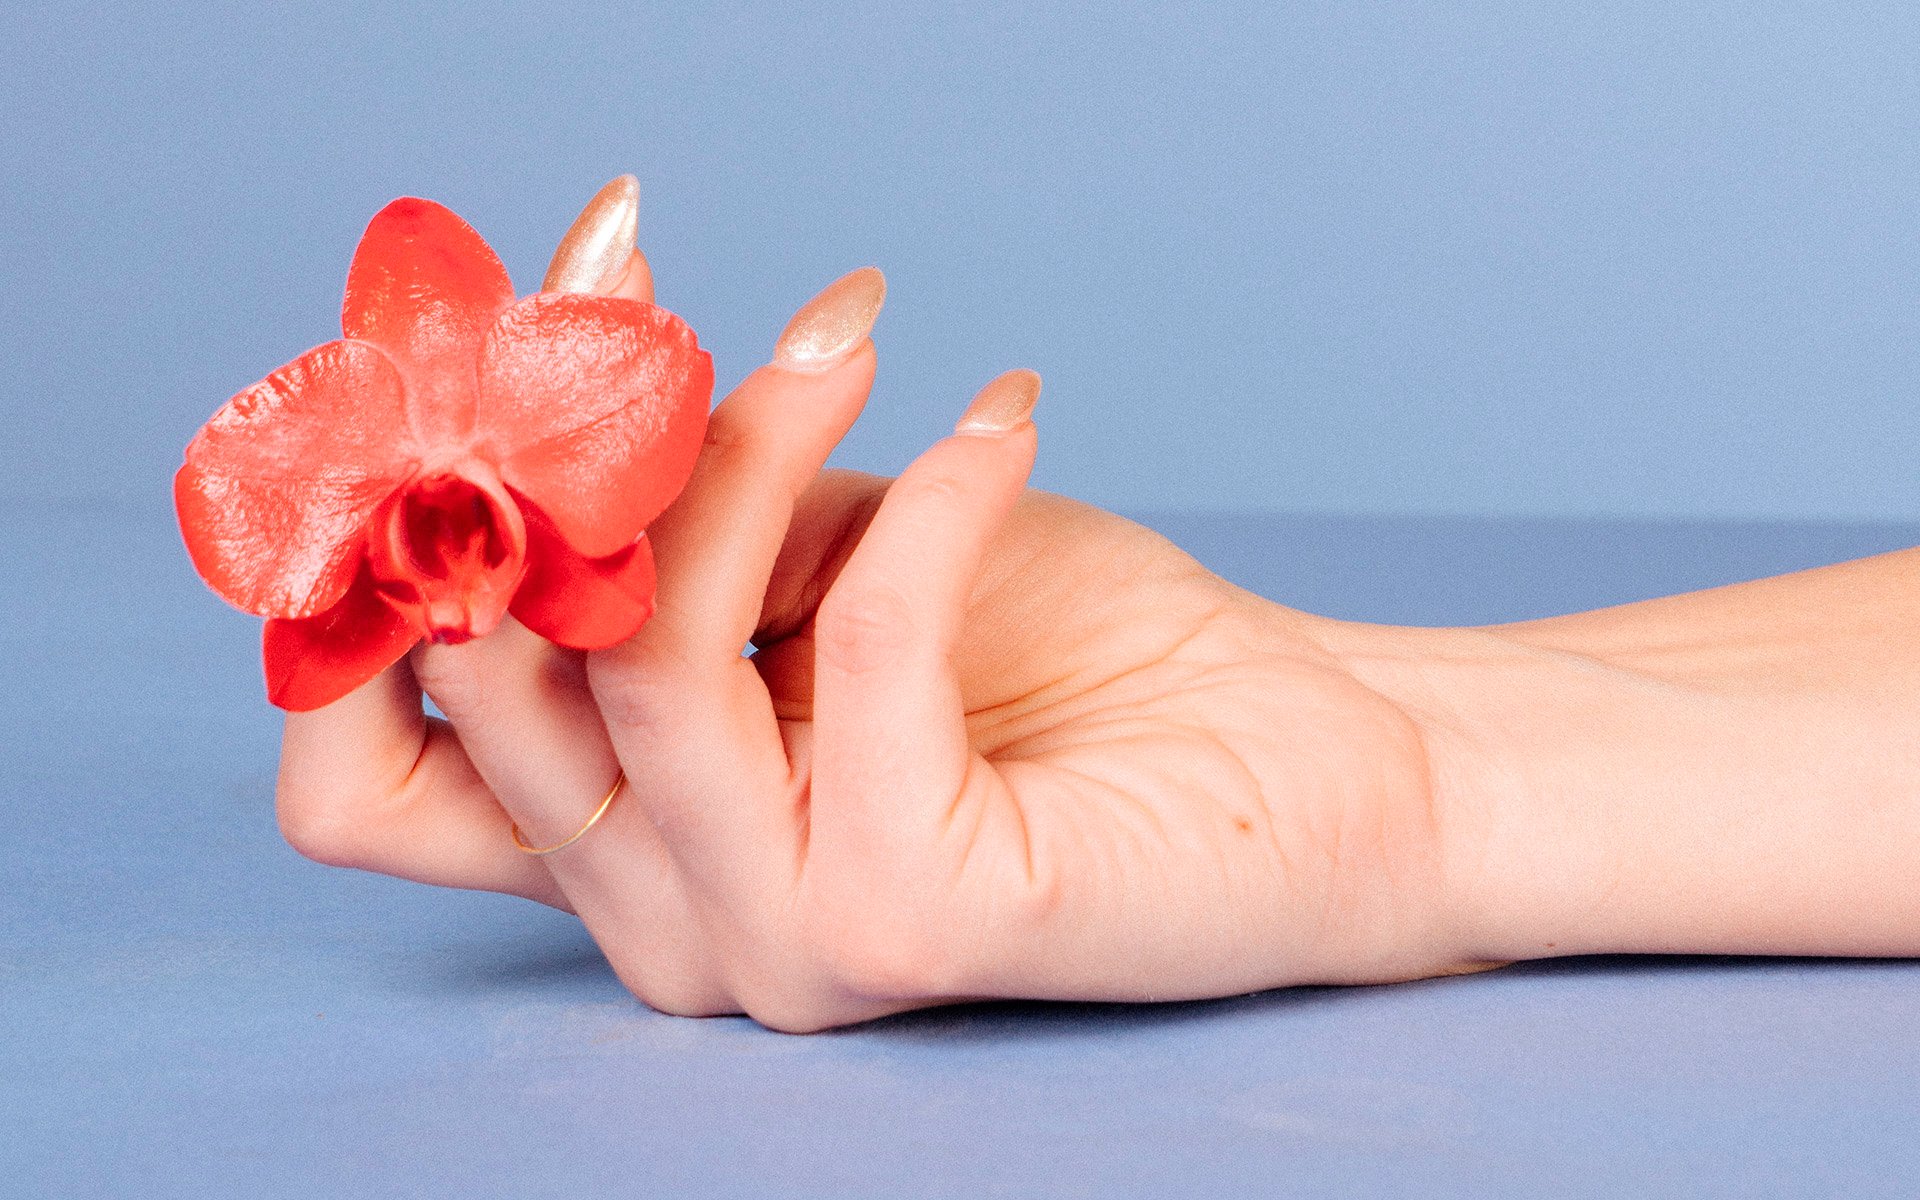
(832,325)
(636,283)
(1005,404)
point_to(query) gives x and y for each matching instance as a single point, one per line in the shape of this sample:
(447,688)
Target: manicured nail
(594,254)
(833,324)
(1002,406)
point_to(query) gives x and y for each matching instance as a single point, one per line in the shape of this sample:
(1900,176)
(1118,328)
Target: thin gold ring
(593,820)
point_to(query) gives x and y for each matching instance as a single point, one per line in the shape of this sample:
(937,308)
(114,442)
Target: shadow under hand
(563,959)
(559,960)
(1601,965)
(1044,1021)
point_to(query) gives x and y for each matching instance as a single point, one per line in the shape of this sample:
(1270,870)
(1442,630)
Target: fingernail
(833,324)
(1002,406)
(593,256)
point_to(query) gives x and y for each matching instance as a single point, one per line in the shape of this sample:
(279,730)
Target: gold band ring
(581,832)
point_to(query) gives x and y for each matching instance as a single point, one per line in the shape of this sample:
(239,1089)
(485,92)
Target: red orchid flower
(455,457)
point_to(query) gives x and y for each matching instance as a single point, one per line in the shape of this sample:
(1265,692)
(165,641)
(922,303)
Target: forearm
(1728,771)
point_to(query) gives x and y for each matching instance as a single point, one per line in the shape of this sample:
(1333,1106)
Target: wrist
(1664,779)
(1518,861)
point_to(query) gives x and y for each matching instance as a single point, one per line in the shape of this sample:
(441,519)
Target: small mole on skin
(1243,825)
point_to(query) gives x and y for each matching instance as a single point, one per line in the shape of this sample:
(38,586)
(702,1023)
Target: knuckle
(938,488)
(321,828)
(676,993)
(786,1011)
(863,626)
(633,693)
(453,683)
(896,956)
(677,999)
(344,818)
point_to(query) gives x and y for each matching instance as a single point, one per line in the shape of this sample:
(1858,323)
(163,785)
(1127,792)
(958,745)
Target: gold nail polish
(594,254)
(1002,406)
(832,324)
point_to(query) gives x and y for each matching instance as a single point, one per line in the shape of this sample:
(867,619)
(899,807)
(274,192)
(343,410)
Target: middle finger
(525,715)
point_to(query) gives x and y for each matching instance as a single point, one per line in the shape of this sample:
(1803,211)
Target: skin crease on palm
(992,742)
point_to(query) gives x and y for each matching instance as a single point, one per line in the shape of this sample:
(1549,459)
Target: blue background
(1528,258)
(1543,267)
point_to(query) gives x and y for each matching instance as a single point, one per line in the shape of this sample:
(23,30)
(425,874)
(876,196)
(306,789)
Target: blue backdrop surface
(1521,263)
(191,1010)
(1638,257)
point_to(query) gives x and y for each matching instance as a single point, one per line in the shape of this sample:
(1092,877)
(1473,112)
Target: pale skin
(994,742)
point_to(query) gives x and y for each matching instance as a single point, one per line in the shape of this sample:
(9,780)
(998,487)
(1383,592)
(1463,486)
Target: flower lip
(448,551)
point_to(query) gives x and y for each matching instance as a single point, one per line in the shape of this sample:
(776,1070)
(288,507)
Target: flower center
(448,529)
(450,553)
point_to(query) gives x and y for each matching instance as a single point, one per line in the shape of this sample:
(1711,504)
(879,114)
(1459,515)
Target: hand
(991,742)
(1158,786)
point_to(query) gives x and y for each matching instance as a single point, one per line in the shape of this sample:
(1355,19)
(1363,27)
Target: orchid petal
(425,288)
(315,661)
(594,409)
(584,603)
(279,485)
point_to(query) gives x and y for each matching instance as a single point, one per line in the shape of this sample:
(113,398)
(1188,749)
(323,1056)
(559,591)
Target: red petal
(594,408)
(585,603)
(425,287)
(278,486)
(315,661)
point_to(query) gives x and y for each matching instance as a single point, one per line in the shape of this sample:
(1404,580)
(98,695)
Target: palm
(1131,703)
